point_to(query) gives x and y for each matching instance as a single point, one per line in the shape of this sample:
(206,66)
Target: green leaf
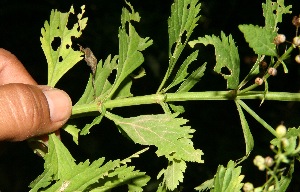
(130,47)
(84,175)
(247,134)
(165,131)
(205,186)
(64,57)
(101,81)
(228,179)
(124,90)
(58,159)
(273,12)
(184,18)
(59,164)
(72,130)
(42,181)
(120,176)
(174,174)
(260,39)
(177,108)
(182,72)
(87,127)
(88,177)
(285,180)
(181,23)
(227,56)
(194,78)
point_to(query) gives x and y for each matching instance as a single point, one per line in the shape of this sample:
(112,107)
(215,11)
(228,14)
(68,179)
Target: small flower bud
(297,59)
(259,81)
(272,71)
(285,142)
(259,161)
(280,38)
(271,188)
(248,187)
(281,131)
(269,162)
(263,64)
(296,21)
(296,41)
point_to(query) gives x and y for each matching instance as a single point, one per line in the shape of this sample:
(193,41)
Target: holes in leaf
(183,37)
(225,71)
(188,6)
(60,59)
(173,48)
(72,21)
(56,43)
(67,46)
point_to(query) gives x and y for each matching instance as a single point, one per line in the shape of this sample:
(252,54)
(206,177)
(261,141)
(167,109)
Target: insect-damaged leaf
(64,57)
(181,24)
(226,56)
(130,47)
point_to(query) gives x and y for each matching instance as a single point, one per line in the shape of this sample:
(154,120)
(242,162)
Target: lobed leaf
(205,185)
(273,12)
(59,164)
(194,78)
(183,19)
(130,47)
(260,39)
(165,131)
(174,174)
(135,180)
(228,179)
(42,181)
(101,81)
(86,176)
(181,23)
(58,159)
(182,72)
(64,57)
(226,56)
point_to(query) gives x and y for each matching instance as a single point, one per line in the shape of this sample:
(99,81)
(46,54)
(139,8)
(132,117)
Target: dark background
(218,130)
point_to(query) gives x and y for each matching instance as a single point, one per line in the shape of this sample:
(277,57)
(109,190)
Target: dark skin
(28,109)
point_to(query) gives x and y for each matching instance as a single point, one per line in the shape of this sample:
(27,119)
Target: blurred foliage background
(218,130)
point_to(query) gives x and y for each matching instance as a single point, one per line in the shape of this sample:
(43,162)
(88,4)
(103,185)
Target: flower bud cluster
(248,187)
(262,163)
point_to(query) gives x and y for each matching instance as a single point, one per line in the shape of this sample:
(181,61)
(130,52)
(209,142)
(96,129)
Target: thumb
(29,110)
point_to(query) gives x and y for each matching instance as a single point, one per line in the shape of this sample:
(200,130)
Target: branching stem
(188,96)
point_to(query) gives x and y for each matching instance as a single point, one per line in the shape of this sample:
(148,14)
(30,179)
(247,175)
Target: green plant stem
(188,96)
(255,116)
(286,55)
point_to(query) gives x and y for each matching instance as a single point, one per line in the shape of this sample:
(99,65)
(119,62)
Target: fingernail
(60,104)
